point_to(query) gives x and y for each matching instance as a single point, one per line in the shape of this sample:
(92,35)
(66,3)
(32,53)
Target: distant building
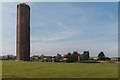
(94,58)
(114,58)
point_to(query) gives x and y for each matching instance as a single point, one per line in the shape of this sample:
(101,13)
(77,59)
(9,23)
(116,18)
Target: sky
(62,27)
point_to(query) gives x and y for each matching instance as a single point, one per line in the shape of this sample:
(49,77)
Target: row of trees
(72,57)
(75,56)
(8,57)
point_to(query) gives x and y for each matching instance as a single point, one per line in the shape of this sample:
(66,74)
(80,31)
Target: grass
(58,70)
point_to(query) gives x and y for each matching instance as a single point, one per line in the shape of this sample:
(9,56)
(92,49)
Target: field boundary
(60,78)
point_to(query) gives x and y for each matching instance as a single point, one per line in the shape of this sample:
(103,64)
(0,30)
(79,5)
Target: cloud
(65,33)
(64,26)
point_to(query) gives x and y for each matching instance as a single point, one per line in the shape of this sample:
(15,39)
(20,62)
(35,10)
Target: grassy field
(58,70)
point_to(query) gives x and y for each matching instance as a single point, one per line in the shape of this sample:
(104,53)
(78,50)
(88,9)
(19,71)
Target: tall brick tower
(23,32)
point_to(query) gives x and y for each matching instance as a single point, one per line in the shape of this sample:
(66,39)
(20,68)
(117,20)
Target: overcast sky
(64,27)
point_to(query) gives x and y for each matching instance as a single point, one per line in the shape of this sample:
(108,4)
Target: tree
(42,57)
(107,58)
(58,57)
(75,56)
(69,57)
(101,56)
(118,58)
(85,55)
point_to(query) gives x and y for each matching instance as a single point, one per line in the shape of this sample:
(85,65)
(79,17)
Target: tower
(23,32)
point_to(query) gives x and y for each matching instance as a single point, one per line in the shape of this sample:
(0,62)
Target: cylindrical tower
(23,32)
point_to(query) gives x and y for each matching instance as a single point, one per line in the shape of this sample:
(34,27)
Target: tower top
(23,4)
(26,3)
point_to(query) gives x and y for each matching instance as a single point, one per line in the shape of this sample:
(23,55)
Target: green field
(58,70)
